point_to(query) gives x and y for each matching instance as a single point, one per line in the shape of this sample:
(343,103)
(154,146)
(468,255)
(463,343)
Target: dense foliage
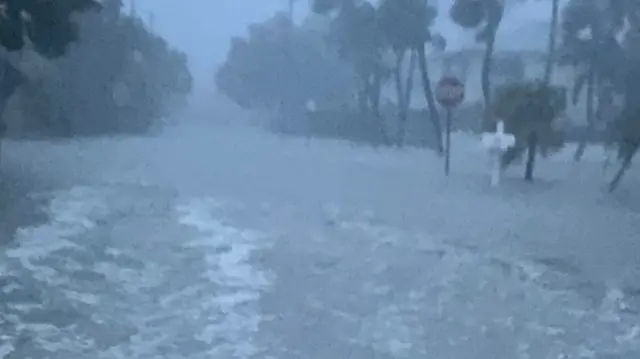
(46,24)
(599,41)
(117,77)
(304,63)
(529,111)
(281,67)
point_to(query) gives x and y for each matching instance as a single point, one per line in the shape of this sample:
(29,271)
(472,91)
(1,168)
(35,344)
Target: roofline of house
(452,55)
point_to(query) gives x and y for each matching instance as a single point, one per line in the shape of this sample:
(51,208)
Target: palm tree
(412,36)
(359,41)
(590,45)
(529,110)
(626,128)
(553,35)
(485,16)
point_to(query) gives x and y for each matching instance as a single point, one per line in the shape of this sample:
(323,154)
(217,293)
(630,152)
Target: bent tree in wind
(485,17)
(359,40)
(600,41)
(46,24)
(405,25)
(365,33)
(590,44)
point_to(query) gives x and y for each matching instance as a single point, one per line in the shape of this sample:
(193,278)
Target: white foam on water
(71,214)
(150,296)
(488,305)
(239,283)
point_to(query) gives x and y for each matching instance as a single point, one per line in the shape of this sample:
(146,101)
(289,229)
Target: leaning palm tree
(357,34)
(529,110)
(485,16)
(416,17)
(625,129)
(590,45)
(553,36)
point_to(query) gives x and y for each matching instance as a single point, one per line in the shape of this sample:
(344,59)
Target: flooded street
(218,243)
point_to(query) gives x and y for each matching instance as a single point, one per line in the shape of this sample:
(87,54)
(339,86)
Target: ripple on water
(72,290)
(228,254)
(462,301)
(72,293)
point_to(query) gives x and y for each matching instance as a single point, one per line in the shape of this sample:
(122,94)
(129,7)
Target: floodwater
(224,243)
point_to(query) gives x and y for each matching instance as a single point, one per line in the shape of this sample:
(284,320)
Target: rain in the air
(319,179)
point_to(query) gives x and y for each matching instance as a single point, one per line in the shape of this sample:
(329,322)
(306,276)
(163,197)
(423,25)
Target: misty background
(203,29)
(199,22)
(205,179)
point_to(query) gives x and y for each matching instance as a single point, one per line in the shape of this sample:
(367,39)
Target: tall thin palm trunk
(434,115)
(624,167)
(10,79)
(487,64)
(397,74)
(532,151)
(374,89)
(404,91)
(582,145)
(549,66)
(408,94)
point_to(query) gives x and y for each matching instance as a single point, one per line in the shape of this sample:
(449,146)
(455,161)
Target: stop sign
(449,92)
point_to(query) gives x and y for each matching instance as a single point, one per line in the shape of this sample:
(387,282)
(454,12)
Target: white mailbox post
(497,144)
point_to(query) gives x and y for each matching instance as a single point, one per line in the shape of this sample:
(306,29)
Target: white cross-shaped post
(497,143)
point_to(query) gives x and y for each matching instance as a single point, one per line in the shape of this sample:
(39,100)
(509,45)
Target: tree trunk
(375,93)
(549,66)
(626,164)
(605,106)
(511,155)
(532,150)
(434,115)
(582,145)
(464,71)
(397,74)
(363,106)
(10,80)
(408,92)
(487,64)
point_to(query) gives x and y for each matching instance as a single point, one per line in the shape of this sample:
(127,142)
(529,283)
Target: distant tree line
(280,67)
(386,41)
(102,71)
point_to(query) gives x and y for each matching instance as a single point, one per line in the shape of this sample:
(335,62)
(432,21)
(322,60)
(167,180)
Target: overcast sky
(202,28)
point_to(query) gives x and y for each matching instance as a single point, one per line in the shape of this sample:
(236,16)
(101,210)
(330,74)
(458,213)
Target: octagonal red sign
(449,91)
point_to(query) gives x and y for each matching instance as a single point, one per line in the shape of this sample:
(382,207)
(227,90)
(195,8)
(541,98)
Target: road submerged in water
(200,250)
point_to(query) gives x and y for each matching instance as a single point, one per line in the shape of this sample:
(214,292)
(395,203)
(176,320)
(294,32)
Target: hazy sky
(202,28)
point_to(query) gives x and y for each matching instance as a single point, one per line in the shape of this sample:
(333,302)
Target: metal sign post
(450,94)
